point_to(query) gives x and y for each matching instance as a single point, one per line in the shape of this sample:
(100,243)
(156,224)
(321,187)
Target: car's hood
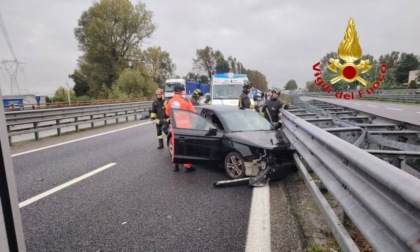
(263,139)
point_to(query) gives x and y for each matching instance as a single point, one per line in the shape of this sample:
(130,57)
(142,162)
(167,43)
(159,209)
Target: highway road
(131,201)
(396,111)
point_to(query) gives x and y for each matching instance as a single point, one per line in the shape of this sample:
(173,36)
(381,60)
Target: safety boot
(175,167)
(160,144)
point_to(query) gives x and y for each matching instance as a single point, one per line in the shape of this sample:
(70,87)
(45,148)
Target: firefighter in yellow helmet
(196,97)
(158,115)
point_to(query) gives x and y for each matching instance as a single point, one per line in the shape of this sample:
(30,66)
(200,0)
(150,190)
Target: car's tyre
(170,147)
(234,165)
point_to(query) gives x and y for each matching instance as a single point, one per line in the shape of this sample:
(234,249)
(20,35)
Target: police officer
(196,97)
(158,115)
(179,102)
(244,101)
(272,108)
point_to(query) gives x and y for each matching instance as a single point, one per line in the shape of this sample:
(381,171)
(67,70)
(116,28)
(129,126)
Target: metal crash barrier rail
(35,121)
(380,199)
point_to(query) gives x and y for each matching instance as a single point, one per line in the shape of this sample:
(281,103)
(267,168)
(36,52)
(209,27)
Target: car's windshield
(245,120)
(227,91)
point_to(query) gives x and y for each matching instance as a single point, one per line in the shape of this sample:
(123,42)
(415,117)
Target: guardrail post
(126,118)
(116,114)
(10,138)
(105,119)
(76,119)
(58,129)
(402,163)
(92,124)
(36,132)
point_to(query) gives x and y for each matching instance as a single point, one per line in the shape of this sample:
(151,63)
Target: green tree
(412,84)
(81,86)
(132,84)
(404,65)
(109,33)
(158,64)
(222,65)
(205,61)
(312,87)
(61,94)
(291,85)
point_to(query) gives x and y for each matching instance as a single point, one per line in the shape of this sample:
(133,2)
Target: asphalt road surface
(134,203)
(400,112)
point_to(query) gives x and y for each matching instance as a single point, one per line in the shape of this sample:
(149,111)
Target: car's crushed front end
(262,150)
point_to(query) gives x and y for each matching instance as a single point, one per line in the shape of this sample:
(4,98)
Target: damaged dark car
(241,141)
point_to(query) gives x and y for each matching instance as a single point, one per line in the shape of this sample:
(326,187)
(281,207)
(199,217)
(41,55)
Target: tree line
(114,64)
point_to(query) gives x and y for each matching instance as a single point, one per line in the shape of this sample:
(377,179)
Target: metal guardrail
(35,121)
(408,98)
(380,199)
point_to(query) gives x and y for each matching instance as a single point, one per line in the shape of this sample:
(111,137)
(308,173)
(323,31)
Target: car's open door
(196,140)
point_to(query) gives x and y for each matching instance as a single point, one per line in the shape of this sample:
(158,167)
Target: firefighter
(158,115)
(244,101)
(178,102)
(207,99)
(196,97)
(272,107)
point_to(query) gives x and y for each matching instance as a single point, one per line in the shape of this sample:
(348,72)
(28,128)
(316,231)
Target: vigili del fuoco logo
(346,68)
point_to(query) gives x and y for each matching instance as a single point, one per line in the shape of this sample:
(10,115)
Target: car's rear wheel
(170,147)
(234,165)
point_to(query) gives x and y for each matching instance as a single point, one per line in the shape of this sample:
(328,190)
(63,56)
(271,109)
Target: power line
(6,35)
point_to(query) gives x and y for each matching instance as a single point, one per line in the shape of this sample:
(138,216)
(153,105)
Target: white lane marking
(76,140)
(357,104)
(372,106)
(62,186)
(259,227)
(418,112)
(394,109)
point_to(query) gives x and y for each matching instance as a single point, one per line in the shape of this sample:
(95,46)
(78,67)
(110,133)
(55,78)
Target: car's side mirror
(212,132)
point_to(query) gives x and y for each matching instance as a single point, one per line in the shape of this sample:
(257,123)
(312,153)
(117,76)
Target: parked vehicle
(226,88)
(190,86)
(242,141)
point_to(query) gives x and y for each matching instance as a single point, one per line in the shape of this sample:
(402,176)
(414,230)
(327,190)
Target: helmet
(159,91)
(198,92)
(208,97)
(178,87)
(247,84)
(276,91)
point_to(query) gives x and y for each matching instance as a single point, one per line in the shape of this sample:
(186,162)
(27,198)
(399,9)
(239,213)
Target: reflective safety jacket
(178,102)
(273,107)
(244,101)
(158,110)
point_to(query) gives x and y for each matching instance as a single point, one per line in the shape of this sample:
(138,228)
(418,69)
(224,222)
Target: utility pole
(68,93)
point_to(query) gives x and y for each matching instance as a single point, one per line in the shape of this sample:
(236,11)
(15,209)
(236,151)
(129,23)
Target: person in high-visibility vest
(179,102)
(158,115)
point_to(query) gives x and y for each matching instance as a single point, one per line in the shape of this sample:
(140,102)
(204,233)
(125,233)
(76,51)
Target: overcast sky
(281,39)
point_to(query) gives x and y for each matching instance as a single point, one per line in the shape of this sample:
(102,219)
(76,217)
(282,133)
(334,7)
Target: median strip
(60,187)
